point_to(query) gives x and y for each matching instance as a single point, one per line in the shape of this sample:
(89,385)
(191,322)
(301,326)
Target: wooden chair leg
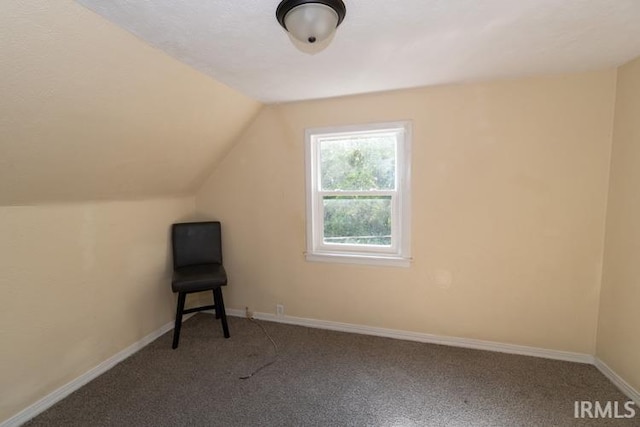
(223,314)
(180,308)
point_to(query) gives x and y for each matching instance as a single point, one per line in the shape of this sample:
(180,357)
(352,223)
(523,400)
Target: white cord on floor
(275,348)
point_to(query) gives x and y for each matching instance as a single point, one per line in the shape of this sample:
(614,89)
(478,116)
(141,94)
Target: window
(358,200)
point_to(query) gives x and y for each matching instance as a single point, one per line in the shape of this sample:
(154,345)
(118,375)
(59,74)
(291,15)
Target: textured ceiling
(384,44)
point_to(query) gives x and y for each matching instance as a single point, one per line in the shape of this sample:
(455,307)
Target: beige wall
(618,337)
(509,193)
(88,111)
(79,282)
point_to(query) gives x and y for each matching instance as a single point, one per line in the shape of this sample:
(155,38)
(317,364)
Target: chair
(197,267)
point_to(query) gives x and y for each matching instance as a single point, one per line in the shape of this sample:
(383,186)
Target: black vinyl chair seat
(197,266)
(196,278)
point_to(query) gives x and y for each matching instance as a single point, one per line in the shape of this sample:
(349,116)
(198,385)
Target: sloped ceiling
(90,112)
(385,44)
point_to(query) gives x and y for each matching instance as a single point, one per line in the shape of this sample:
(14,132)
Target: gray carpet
(326,378)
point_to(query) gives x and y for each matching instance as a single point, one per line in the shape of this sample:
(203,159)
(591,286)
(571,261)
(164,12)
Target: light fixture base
(310,23)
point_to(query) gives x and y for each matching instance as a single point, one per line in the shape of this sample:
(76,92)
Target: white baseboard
(616,379)
(625,387)
(422,337)
(62,392)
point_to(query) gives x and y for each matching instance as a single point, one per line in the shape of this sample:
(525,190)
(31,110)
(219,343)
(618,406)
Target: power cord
(275,349)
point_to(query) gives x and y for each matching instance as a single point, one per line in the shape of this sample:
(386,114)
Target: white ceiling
(384,44)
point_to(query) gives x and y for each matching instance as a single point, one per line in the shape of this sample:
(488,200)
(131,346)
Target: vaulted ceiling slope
(385,44)
(90,112)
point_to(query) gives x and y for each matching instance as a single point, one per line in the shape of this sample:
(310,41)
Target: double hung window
(358,195)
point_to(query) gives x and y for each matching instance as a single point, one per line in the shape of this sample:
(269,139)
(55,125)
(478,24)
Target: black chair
(197,267)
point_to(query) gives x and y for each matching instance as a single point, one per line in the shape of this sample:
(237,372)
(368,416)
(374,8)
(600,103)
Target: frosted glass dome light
(311,21)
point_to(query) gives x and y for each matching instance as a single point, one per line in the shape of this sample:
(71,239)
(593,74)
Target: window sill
(342,258)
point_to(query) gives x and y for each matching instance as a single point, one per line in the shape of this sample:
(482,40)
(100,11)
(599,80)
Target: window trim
(399,254)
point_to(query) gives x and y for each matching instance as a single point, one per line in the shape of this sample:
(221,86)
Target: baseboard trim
(422,337)
(616,379)
(62,392)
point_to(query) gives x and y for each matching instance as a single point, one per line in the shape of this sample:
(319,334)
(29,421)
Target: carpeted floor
(326,378)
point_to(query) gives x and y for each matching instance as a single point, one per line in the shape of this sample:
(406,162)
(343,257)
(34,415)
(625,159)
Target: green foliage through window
(362,220)
(358,163)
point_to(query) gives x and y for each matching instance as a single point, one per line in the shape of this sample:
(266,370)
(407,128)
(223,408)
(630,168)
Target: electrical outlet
(279,310)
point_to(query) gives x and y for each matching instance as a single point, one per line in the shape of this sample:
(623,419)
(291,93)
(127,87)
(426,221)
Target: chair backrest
(196,243)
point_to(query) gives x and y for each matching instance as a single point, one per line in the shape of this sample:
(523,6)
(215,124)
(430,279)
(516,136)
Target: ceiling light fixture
(311,21)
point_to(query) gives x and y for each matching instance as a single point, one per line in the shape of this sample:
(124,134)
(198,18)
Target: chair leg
(215,302)
(220,309)
(180,308)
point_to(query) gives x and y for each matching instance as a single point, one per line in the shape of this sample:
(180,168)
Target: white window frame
(398,254)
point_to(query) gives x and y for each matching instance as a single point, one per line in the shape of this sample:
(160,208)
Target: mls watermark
(608,409)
